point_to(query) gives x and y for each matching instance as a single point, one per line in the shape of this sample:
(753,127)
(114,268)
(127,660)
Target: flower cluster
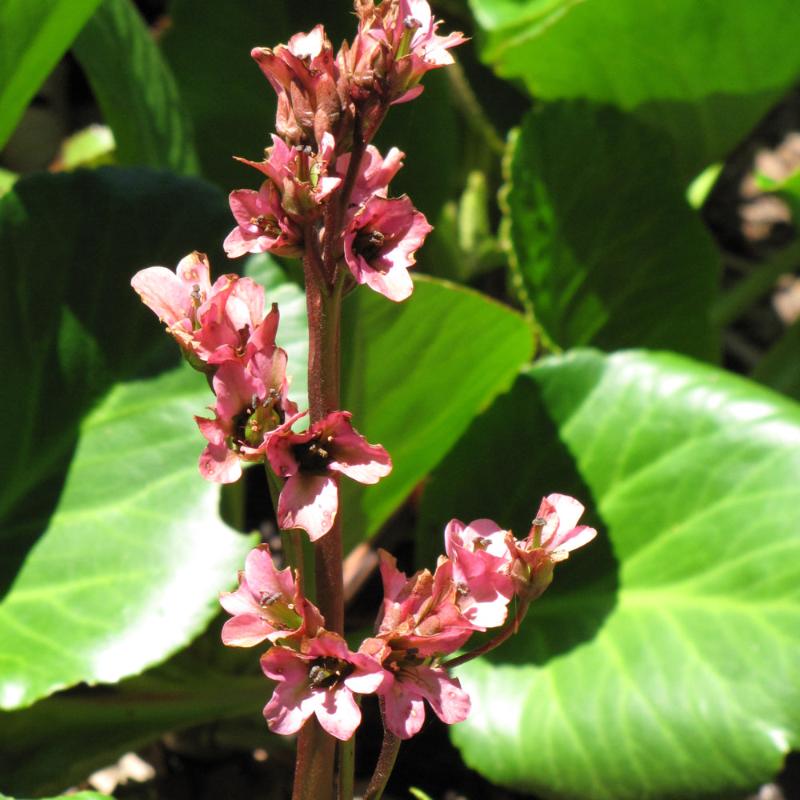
(422,620)
(325,196)
(329,107)
(224,332)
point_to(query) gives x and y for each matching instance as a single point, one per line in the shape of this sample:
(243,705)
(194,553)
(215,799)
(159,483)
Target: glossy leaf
(606,247)
(135,89)
(35,34)
(662,661)
(118,545)
(231,103)
(414,375)
(704,72)
(400,364)
(61,740)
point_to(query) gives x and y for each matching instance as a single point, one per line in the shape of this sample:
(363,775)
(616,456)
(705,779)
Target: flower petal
(309,502)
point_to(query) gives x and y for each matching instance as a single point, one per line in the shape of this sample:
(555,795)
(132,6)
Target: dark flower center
(268,224)
(327,671)
(313,456)
(368,244)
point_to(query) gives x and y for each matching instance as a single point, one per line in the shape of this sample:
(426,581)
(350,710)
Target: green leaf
(93,146)
(117,539)
(704,72)
(414,375)
(61,740)
(780,367)
(434,165)
(136,90)
(7,180)
(662,662)
(231,103)
(606,247)
(788,189)
(400,365)
(76,796)
(35,34)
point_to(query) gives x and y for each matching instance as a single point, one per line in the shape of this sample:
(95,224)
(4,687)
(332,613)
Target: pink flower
(554,534)
(409,680)
(321,680)
(210,323)
(397,43)
(176,297)
(310,462)
(374,173)
(301,178)
(425,49)
(311,99)
(406,689)
(420,615)
(262,224)
(379,244)
(267,605)
(481,561)
(232,325)
(252,403)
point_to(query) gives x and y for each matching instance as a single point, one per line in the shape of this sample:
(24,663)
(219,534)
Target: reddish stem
(386,759)
(316,750)
(337,207)
(313,775)
(504,634)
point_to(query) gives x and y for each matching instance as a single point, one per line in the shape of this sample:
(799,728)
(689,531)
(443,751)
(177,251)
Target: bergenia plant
(324,196)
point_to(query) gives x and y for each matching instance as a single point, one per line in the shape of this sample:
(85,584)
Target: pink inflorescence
(423,619)
(324,195)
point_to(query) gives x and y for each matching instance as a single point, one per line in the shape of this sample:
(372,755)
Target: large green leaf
(135,89)
(606,247)
(231,103)
(35,34)
(663,661)
(61,740)
(118,545)
(705,72)
(414,375)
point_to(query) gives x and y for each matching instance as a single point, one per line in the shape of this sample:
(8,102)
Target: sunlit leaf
(35,34)
(661,663)
(135,89)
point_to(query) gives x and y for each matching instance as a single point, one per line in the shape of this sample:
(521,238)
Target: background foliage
(571,336)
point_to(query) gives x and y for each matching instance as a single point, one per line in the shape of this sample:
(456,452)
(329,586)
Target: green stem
(738,299)
(388,755)
(347,758)
(473,111)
